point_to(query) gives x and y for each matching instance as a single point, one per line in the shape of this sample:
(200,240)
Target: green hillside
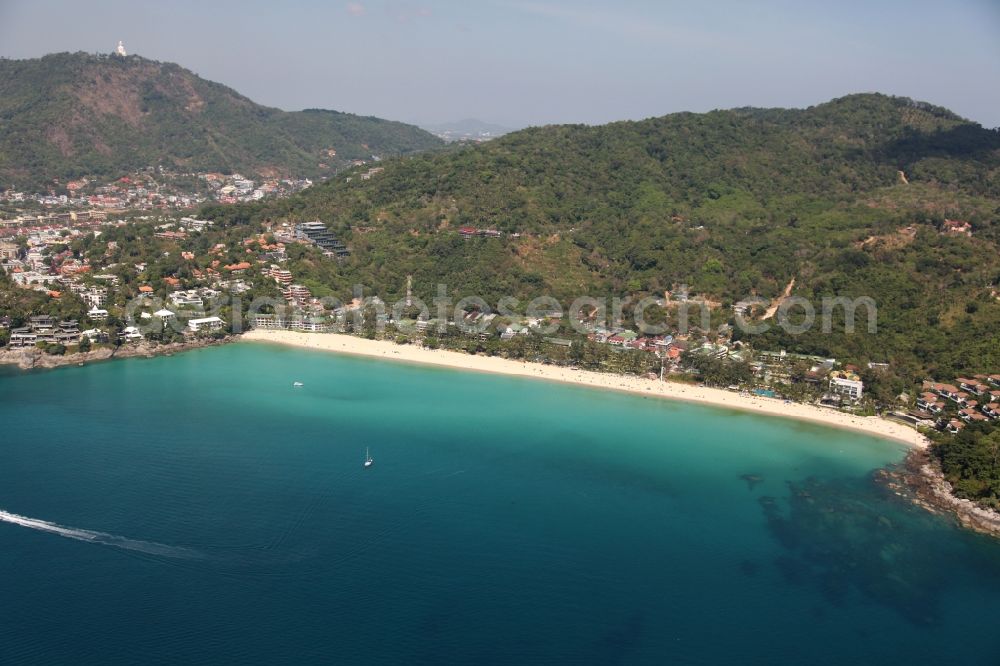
(74,114)
(731,203)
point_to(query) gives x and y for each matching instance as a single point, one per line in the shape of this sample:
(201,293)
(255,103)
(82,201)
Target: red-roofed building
(970,414)
(238,268)
(949,391)
(929,403)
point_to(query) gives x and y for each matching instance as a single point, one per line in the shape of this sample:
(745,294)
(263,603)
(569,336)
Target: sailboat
(368,458)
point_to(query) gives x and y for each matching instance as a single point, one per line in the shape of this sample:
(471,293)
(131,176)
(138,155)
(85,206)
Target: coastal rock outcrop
(921,476)
(34,359)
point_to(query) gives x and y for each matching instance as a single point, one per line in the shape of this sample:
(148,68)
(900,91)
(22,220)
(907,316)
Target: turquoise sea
(200,509)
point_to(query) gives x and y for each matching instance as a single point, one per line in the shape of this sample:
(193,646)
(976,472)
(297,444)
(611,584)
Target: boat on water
(297,384)
(369,461)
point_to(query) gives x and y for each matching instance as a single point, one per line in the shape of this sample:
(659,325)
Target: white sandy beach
(349,344)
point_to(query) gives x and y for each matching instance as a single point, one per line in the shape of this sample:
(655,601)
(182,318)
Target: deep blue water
(199,508)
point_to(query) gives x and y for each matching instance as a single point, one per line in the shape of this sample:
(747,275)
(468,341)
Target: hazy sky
(521,62)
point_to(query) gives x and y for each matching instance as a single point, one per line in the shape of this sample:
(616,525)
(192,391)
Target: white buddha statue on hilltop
(120,50)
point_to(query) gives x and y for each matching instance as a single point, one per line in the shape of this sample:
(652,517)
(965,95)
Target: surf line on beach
(101,538)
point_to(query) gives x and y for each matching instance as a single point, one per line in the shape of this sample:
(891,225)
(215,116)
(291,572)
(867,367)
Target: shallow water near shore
(200,508)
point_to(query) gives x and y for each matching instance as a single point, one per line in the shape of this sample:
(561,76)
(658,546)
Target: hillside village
(97,269)
(147,190)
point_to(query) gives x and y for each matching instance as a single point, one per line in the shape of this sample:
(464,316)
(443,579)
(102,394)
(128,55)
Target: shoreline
(714,397)
(919,479)
(35,359)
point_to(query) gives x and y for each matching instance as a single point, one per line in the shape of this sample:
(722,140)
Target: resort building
(21,338)
(929,403)
(195,224)
(68,332)
(95,297)
(846,385)
(187,298)
(973,386)
(969,414)
(205,324)
(949,391)
(281,275)
(42,323)
(31,278)
(296,293)
(94,335)
(317,233)
(130,334)
(269,321)
(310,325)
(43,328)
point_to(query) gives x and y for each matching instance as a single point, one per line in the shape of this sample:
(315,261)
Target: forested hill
(651,169)
(850,198)
(73,114)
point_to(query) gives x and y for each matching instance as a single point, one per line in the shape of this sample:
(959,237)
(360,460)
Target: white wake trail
(102,538)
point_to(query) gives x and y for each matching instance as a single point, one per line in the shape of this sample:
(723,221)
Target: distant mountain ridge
(67,115)
(467,129)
